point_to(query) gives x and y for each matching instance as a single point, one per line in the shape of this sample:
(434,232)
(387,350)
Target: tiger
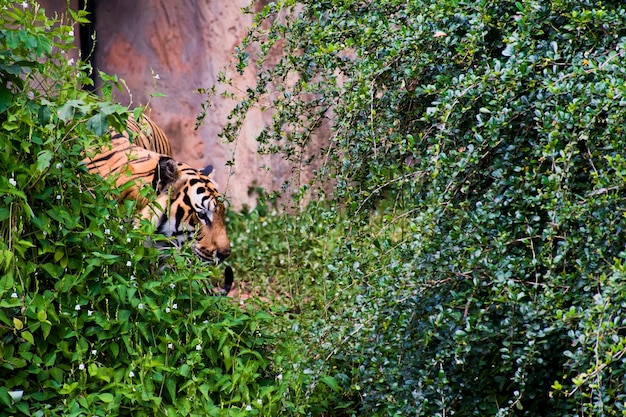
(186,199)
(149,136)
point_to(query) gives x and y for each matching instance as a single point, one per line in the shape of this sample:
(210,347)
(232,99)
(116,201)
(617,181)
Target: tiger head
(189,205)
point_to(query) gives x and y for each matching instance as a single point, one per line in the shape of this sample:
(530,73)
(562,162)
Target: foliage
(281,257)
(475,234)
(93,321)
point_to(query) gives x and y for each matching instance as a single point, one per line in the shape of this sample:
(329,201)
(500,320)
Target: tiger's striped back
(149,136)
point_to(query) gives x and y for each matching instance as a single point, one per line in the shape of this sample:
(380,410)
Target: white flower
(129,263)
(58,196)
(70,62)
(107,231)
(156,77)
(279,377)
(77,308)
(13,182)
(94,352)
(81,366)
(167,309)
(198,347)
(132,277)
(128,239)
(172,285)
(140,306)
(59,165)
(71,32)
(89,313)
(30,95)
(259,401)
(25,4)
(248,407)
(14,295)
(170,346)
(131,374)
(174,306)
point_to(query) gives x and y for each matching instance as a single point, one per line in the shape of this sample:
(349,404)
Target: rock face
(175,48)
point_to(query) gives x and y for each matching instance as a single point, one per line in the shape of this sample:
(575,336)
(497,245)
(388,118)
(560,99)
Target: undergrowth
(92,320)
(468,261)
(468,253)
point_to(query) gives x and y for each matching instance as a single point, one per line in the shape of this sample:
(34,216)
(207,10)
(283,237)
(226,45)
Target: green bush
(92,321)
(281,257)
(477,211)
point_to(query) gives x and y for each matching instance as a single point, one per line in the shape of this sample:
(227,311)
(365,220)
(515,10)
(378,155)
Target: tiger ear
(207,170)
(166,173)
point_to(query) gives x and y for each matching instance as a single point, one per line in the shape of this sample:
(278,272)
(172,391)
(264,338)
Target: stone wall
(174,48)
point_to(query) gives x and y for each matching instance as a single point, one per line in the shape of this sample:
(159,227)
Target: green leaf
(5,398)
(331,383)
(106,398)
(92,369)
(170,386)
(6,98)
(68,388)
(204,389)
(137,113)
(43,114)
(28,336)
(65,112)
(46,327)
(228,362)
(42,315)
(108,108)
(57,374)
(6,256)
(43,160)
(59,254)
(114,348)
(55,271)
(4,318)
(18,324)
(24,408)
(105,374)
(50,359)
(98,124)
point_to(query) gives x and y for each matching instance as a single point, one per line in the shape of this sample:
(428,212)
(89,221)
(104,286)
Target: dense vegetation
(92,322)
(461,252)
(473,245)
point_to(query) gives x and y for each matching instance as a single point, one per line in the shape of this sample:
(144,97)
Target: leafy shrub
(92,322)
(478,172)
(281,257)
